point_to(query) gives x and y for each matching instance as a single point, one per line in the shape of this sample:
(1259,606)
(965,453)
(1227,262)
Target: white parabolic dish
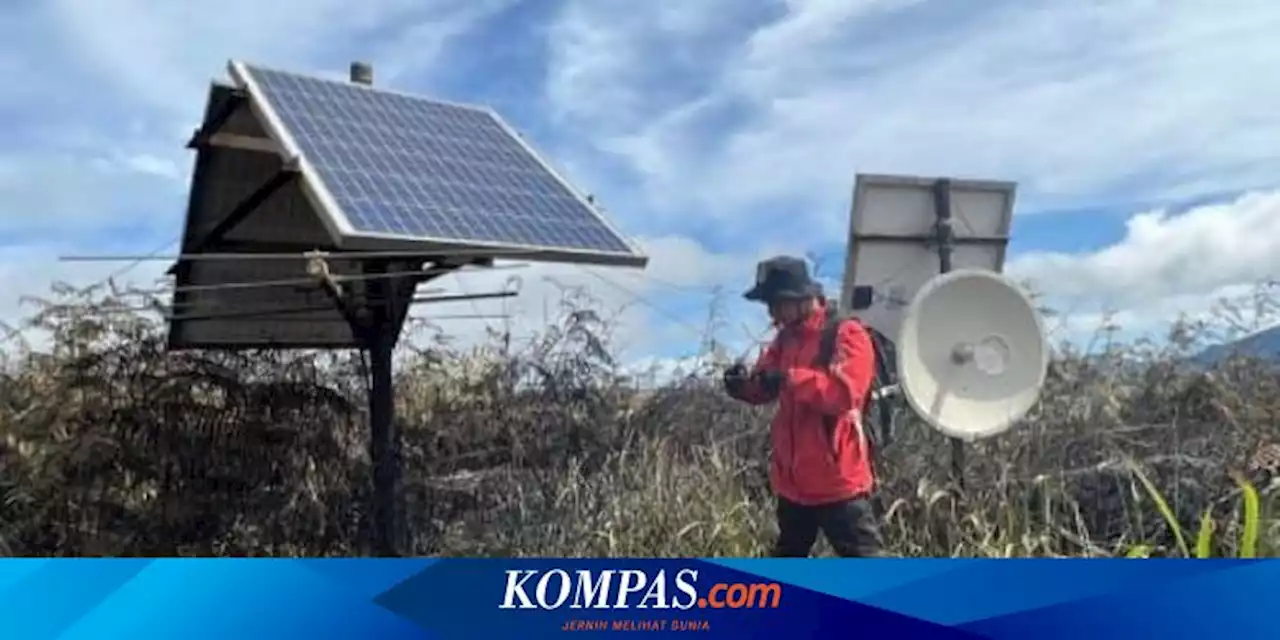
(972,354)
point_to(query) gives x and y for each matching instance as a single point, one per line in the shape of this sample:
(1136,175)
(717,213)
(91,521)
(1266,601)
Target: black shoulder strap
(827,345)
(826,351)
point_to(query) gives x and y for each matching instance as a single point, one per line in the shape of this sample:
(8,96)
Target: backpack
(877,413)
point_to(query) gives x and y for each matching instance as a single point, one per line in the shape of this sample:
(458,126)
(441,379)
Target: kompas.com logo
(631,588)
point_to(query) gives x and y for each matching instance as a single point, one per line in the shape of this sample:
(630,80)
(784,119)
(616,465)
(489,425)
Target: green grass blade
(1162,506)
(1139,551)
(1249,537)
(1204,539)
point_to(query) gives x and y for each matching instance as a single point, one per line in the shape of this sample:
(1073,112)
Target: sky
(1143,135)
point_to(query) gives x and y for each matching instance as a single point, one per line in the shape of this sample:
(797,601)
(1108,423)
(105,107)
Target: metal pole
(383,434)
(383,437)
(945,238)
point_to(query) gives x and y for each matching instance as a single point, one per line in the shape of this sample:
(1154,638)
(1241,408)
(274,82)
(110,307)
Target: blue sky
(1142,134)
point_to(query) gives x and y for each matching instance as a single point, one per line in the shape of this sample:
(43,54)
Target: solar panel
(890,255)
(400,167)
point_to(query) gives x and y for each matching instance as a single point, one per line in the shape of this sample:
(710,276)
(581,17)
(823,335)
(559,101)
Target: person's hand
(735,378)
(772,381)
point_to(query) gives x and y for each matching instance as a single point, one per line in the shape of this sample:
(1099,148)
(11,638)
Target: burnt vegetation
(109,446)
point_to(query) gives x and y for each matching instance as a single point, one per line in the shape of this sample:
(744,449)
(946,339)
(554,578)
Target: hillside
(109,446)
(1264,345)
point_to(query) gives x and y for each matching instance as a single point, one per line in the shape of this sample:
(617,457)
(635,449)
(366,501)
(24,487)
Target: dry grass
(110,446)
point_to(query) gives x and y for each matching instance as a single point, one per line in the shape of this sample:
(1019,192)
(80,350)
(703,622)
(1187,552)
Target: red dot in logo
(702,603)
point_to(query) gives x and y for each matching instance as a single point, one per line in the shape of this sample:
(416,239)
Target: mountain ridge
(1264,344)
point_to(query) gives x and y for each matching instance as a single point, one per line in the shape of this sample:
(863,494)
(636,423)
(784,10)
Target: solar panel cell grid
(414,167)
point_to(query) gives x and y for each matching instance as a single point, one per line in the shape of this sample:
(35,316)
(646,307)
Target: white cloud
(53,190)
(612,74)
(1165,265)
(659,372)
(153,165)
(812,23)
(1162,254)
(120,39)
(97,134)
(1085,105)
(1082,103)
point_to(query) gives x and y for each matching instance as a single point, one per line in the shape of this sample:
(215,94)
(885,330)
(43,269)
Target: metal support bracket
(246,207)
(376,318)
(944,241)
(318,268)
(944,233)
(241,212)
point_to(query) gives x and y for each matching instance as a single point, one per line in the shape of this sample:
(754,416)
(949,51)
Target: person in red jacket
(820,468)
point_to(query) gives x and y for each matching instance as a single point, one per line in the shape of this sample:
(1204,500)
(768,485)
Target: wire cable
(290,282)
(645,301)
(345,255)
(21,332)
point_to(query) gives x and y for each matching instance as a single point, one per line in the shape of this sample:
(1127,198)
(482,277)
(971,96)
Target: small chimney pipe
(362,73)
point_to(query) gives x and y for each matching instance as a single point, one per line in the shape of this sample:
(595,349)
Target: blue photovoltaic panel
(428,170)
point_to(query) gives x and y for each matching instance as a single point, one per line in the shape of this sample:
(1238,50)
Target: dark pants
(850,527)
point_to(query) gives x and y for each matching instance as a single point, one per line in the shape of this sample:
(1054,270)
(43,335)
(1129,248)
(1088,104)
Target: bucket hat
(783,277)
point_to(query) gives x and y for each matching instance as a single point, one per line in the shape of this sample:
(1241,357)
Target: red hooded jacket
(811,464)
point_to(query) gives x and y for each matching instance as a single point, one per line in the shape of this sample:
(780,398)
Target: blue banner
(446,599)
